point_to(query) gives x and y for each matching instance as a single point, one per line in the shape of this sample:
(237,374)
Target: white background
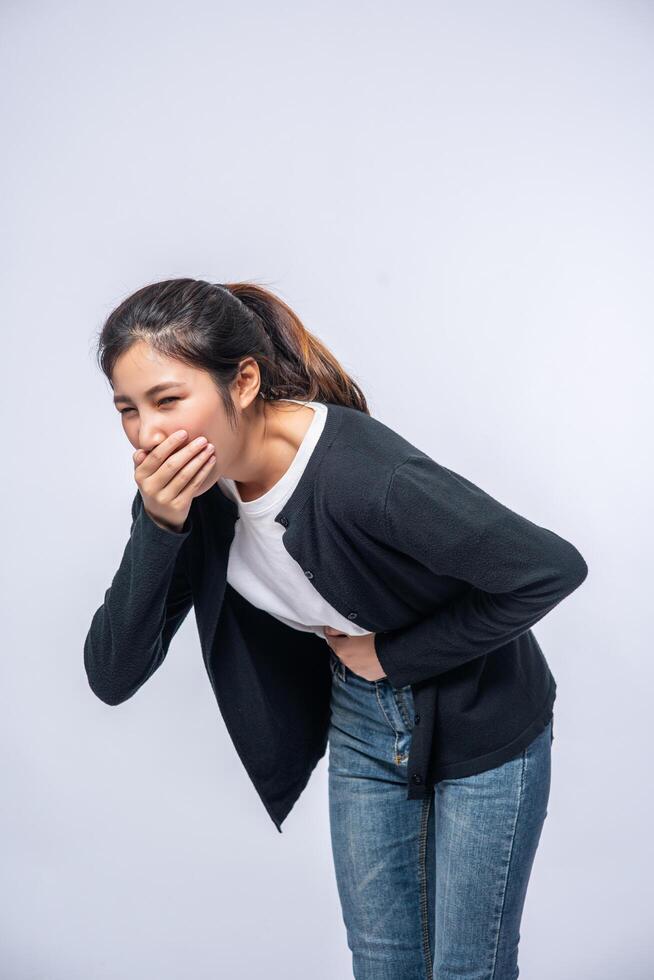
(457,199)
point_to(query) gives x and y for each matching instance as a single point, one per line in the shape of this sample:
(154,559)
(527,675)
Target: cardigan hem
(279,816)
(491,760)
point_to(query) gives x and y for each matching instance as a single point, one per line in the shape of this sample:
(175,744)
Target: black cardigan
(448,578)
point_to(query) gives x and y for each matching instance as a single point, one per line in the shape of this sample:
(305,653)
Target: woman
(349,591)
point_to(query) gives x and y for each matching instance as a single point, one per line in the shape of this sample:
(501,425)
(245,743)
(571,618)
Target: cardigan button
(416,778)
(308,573)
(352,615)
(283,520)
(416,718)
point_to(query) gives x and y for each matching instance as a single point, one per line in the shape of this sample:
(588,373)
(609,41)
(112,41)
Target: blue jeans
(434,887)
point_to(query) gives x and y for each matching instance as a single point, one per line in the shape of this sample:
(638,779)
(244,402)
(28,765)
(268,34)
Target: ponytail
(301,366)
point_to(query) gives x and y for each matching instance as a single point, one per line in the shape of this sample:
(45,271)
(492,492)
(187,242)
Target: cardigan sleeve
(515,571)
(146,603)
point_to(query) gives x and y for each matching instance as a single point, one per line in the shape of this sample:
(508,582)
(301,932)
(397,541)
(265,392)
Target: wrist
(173,528)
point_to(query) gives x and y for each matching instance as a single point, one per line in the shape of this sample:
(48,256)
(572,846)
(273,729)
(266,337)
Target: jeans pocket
(336,665)
(404,700)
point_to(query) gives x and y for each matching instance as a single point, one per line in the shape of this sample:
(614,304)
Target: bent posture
(349,591)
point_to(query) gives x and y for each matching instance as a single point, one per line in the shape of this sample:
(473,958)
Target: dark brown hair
(213,326)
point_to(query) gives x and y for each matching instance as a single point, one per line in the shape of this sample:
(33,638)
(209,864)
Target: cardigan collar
(306,484)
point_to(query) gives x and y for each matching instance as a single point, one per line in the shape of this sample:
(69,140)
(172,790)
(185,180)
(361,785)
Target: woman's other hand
(356,652)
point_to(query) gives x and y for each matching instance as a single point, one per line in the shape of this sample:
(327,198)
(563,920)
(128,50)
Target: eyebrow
(151,391)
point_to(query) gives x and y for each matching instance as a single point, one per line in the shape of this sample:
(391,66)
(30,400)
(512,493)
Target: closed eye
(170,398)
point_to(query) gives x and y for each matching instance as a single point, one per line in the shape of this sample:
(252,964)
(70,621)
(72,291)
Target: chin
(210,480)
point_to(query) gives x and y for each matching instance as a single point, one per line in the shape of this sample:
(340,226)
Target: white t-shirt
(260,568)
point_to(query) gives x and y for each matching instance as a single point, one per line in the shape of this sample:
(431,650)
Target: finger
(160,453)
(191,476)
(173,470)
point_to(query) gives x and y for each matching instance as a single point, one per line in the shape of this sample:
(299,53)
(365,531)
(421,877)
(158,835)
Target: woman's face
(187,399)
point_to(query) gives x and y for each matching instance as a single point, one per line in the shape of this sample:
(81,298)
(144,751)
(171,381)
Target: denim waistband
(347,675)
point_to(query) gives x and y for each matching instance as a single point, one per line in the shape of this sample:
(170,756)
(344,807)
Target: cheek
(223,443)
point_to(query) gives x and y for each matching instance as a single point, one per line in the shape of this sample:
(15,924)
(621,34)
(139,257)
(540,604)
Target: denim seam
(423,882)
(508,865)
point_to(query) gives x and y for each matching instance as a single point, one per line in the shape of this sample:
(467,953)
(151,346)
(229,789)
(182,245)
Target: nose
(150,440)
